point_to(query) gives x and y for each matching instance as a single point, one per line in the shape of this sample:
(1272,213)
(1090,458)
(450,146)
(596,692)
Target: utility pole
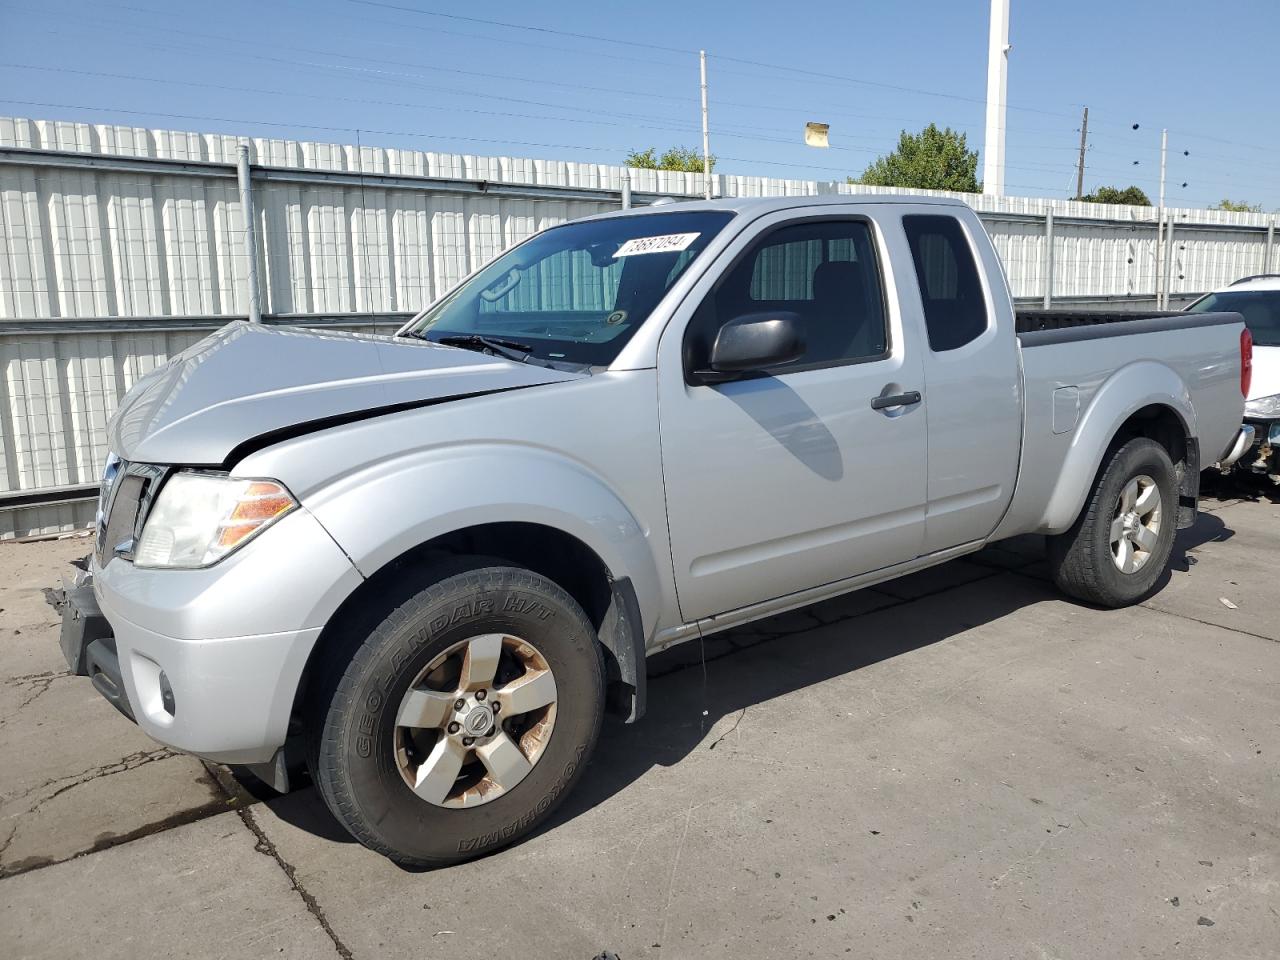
(706,134)
(1161,298)
(1084,137)
(997,84)
(250,241)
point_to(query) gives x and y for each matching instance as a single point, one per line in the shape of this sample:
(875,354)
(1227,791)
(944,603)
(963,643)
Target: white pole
(997,85)
(1048,259)
(706,134)
(250,242)
(626,189)
(1161,299)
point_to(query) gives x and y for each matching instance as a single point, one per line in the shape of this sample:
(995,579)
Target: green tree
(932,159)
(1238,206)
(1130,195)
(675,158)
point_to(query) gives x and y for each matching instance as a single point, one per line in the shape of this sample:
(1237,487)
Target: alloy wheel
(475,721)
(1135,527)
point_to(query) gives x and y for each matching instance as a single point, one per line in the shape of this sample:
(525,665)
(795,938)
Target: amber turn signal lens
(261,502)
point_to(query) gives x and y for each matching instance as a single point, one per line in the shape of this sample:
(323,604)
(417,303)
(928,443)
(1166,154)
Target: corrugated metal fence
(120,246)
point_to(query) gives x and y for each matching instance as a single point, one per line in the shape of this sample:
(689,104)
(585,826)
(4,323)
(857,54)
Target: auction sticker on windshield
(667,243)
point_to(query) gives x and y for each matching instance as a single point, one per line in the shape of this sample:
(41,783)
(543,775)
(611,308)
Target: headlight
(201,517)
(1263,407)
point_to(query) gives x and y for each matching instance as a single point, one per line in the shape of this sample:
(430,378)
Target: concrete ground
(959,764)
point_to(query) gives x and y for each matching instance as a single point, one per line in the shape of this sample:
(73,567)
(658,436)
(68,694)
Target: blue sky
(403,77)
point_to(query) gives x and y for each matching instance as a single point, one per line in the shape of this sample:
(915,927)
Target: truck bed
(1033,320)
(1043,327)
(1187,361)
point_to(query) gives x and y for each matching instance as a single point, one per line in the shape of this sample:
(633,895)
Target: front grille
(120,513)
(127,492)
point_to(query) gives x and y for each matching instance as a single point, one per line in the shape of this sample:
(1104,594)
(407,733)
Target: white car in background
(1257,299)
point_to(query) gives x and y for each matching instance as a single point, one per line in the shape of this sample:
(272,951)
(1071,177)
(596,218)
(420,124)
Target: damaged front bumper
(209,661)
(86,640)
(216,723)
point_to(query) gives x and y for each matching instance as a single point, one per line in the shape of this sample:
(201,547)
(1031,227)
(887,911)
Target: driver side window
(826,272)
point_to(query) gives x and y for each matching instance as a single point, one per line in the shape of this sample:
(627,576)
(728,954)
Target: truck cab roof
(760,205)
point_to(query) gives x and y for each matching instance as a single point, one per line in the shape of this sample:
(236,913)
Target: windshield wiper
(509,349)
(499,346)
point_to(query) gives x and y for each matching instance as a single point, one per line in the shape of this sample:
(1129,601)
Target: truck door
(971,370)
(792,477)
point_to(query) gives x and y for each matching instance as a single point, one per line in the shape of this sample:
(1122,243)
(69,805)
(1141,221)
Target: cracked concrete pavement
(75,777)
(960,763)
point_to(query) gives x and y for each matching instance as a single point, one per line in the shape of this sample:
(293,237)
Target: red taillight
(1246,362)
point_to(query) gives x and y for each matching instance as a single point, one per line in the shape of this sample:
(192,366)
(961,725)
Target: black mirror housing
(753,342)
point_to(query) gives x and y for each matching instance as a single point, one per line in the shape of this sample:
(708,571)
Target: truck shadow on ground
(1209,528)
(695,686)
(801,649)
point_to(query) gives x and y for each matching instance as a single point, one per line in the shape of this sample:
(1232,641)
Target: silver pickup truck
(429,563)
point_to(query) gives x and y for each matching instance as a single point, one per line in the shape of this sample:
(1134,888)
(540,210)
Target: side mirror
(754,342)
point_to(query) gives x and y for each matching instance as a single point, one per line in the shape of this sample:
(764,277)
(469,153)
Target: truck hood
(249,382)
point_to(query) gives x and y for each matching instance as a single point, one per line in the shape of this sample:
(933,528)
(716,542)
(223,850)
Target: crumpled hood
(249,381)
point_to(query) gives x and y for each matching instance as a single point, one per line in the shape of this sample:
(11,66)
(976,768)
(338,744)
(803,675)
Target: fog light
(166,695)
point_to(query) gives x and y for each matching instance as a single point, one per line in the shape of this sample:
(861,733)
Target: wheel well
(1163,425)
(556,555)
(1159,423)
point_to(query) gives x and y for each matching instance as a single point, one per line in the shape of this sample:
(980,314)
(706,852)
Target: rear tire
(425,782)
(1118,548)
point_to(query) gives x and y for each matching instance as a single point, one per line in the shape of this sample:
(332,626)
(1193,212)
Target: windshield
(577,293)
(1260,309)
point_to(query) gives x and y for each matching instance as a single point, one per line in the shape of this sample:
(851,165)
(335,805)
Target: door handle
(895,400)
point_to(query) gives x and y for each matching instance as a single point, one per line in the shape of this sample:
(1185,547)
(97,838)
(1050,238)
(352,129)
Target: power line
(690,51)
(729,59)
(169,81)
(819,75)
(737,131)
(398,75)
(666,125)
(311,11)
(523,26)
(732,131)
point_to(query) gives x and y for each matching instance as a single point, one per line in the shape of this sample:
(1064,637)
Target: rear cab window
(955,309)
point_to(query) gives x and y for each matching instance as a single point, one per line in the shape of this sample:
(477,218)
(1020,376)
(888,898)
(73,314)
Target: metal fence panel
(120,246)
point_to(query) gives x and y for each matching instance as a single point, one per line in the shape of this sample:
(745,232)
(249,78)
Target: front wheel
(462,719)
(1115,553)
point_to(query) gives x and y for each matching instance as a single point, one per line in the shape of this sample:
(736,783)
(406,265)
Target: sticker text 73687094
(667,243)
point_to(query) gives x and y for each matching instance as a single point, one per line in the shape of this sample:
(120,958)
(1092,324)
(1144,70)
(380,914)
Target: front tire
(462,719)
(1117,550)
